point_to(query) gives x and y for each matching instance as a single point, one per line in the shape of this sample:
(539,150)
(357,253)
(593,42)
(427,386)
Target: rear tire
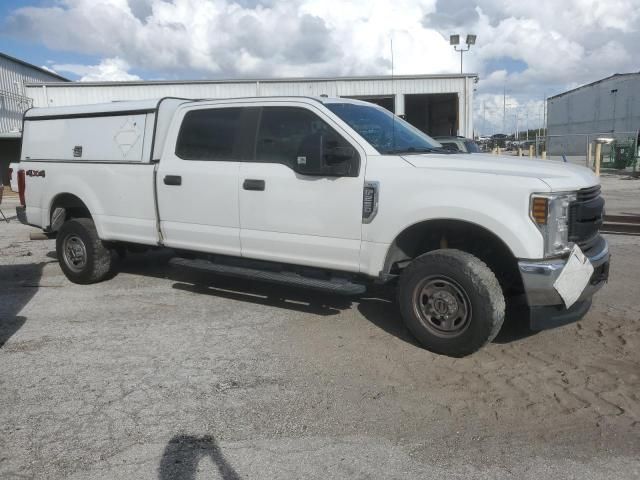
(451,301)
(83,257)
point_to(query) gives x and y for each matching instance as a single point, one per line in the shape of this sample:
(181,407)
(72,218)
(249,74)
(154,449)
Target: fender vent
(370,201)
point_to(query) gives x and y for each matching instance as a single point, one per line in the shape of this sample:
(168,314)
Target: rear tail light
(22,185)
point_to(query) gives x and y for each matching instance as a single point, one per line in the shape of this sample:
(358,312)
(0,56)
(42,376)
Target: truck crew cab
(330,194)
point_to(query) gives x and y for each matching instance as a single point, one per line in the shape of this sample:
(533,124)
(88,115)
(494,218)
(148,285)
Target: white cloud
(571,41)
(507,113)
(48,69)
(225,38)
(560,42)
(558,45)
(108,70)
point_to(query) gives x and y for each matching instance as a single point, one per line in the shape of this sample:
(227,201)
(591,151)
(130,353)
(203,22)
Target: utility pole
(614,92)
(544,118)
(504,109)
(484,116)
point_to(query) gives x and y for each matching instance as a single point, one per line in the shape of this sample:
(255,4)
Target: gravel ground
(162,373)
(622,193)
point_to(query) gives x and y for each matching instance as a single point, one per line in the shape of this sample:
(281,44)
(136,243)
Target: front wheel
(451,301)
(82,256)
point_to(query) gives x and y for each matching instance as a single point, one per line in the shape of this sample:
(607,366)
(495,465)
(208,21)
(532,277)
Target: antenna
(393,85)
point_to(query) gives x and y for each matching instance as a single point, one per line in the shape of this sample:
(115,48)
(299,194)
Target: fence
(620,154)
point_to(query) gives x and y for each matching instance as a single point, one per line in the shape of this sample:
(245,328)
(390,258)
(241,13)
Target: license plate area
(574,277)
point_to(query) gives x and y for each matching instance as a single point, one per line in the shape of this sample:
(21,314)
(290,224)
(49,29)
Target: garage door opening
(384,101)
(434,114)
(9,152)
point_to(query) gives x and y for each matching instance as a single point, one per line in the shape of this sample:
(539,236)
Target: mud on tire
(451,301)
(83,257)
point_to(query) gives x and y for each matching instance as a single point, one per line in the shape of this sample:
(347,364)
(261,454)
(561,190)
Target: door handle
(172,180)
(250,184)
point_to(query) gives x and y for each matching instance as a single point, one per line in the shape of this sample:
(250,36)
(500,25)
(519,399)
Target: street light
(454,40)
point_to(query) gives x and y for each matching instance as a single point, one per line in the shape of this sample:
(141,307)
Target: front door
(197,182)
(298,203)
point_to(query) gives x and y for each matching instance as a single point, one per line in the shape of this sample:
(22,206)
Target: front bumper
(546,305)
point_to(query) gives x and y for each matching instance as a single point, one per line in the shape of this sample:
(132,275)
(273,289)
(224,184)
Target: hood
(559,176)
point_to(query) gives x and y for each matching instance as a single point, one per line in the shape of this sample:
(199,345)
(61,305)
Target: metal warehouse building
(437,104)
(609,107)
(14,74)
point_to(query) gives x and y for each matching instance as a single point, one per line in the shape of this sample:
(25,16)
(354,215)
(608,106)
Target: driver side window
(304,142)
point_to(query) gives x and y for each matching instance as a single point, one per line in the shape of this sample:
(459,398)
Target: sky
(528,49)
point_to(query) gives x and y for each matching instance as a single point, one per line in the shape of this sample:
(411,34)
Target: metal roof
(260,80)
(40,69)
(614,76)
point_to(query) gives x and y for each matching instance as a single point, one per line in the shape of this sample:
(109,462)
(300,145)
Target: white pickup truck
(325,193)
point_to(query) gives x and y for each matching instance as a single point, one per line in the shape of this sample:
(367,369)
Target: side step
(340,286)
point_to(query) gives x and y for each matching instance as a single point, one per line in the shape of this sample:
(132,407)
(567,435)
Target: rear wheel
(451,301)
(83,257)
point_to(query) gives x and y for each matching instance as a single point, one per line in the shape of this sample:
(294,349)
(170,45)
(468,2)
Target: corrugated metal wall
(611,106)
(13,101)
(78,93)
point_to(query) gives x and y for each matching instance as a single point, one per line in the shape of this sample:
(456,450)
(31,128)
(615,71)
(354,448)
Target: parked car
(459,144)
(329,194)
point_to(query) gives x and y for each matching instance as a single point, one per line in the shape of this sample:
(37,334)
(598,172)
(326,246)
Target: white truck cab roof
(149,119)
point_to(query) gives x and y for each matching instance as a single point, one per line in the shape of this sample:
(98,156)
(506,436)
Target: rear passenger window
(210,135)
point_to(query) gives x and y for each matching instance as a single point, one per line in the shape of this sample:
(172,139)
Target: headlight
(550,213)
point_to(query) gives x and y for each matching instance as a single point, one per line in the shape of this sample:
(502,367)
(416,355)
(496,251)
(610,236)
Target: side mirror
(450,147)
(325,157)
(335,154)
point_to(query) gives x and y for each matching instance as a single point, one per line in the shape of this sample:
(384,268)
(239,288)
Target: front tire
(451,301)
(83,257)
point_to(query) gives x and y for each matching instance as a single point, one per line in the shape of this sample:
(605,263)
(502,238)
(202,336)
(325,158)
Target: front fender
(499,204)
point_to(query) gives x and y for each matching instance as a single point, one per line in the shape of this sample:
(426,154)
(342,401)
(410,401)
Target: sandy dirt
(165,373)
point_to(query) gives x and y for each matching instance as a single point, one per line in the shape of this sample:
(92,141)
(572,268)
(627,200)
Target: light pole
(455,41)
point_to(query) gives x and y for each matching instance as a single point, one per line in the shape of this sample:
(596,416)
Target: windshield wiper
(418,150)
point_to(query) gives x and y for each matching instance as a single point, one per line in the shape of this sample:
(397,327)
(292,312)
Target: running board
(340,286)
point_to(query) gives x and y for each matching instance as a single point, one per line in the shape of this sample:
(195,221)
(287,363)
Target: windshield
(383,130)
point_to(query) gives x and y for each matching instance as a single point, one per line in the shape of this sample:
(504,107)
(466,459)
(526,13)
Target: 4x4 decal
(34,173)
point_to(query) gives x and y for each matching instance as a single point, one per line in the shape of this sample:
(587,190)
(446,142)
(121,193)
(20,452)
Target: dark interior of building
(434,114)
(9,152)
(383,101)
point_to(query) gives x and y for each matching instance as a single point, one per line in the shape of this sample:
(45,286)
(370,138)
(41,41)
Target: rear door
(293,207)
(197,180)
